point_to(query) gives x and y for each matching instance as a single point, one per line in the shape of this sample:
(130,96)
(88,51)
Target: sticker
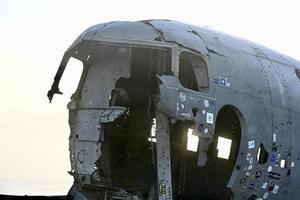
(270,168)
(209,118)
(276,188)
(248,156)
(266,195)
(182,96)
(186,115)
(182,106)
(206,103)
(251,160)
(258,174)
(224,82)
(250,167)
(292,164)
(282,163)
(248,174)
(273,158)
(264,186)
(242,180)
(274,137)
(251,144)
(206,130)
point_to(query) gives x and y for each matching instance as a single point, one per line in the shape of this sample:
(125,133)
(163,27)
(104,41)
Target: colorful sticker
(273,158)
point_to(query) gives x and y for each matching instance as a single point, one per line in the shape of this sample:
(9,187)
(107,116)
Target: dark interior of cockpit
(128,159)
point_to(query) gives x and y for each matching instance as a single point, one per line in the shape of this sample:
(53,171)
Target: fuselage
(183,81)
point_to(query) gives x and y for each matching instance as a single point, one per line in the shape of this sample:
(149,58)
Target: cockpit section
(145,126)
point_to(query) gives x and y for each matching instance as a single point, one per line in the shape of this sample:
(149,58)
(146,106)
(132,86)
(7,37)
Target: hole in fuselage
(224,147)
(130,140)
(192,141)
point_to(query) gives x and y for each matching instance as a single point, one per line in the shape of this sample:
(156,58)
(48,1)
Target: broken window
(224,147)
(193,72)
(72,76)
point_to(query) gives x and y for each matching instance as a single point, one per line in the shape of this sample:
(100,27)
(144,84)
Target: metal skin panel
(260,85)
(126,30)
(104,72)
(181,34)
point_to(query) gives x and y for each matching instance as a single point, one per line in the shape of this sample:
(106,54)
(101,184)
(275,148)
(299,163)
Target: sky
(34,34)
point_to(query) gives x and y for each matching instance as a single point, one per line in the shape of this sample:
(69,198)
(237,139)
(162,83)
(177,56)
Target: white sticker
(251,160)
(225,82)
(251,144)
(186,115)
(248,156)
(206,130)
(270,168)
(274,137)
(206,103)
(250,167)
(264,186)
(182,96)
(275,189)
(266,195)
(182,106)
(209,118)
(292,164)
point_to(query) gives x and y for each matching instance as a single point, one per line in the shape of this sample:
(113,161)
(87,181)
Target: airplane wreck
(151,88)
